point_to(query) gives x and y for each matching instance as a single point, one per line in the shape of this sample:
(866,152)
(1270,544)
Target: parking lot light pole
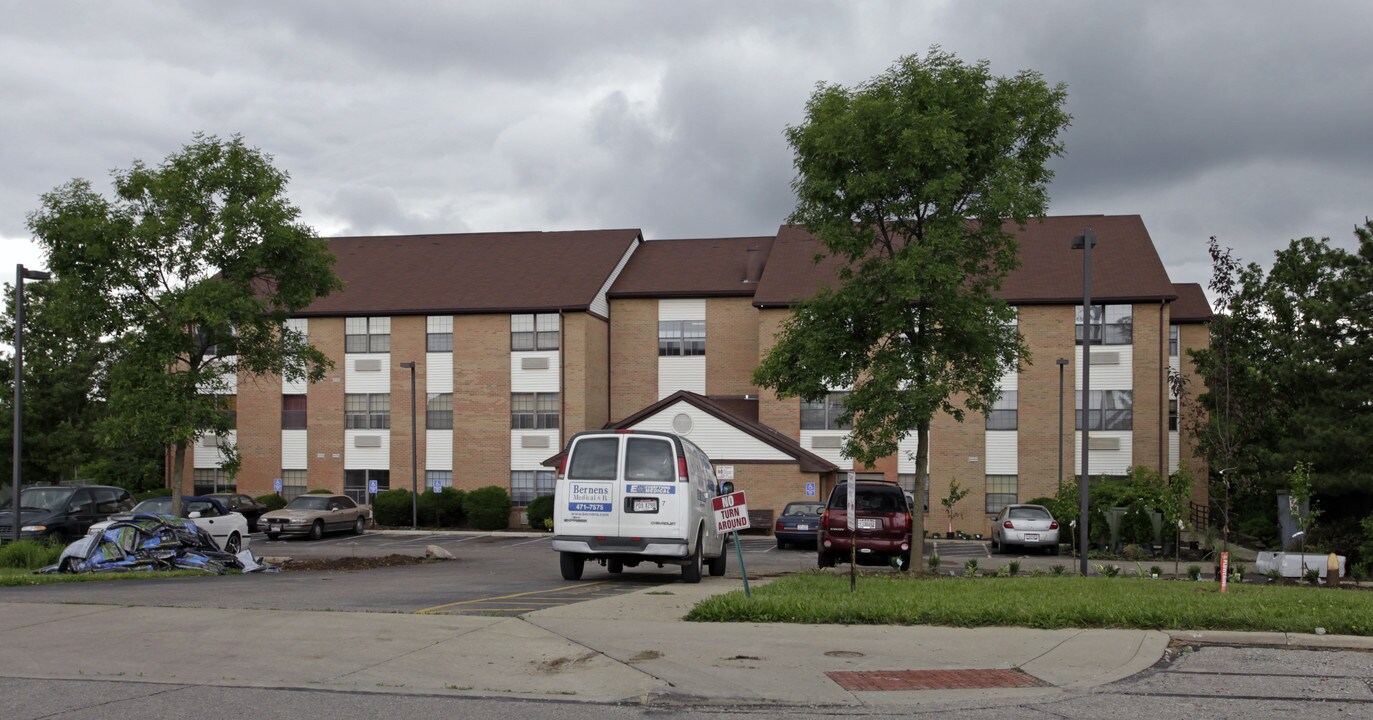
(414,454)
(1085,242)
(1062,363)
(20,274)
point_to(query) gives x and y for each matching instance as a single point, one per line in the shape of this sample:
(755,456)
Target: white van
(629,496)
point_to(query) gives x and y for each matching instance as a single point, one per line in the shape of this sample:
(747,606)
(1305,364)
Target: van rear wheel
(717,564)
(572,565)
(691,571)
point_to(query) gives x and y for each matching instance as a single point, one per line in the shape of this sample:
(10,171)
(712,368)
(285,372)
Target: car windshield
(1030,513)
(806,509)
(154,506)
(870,498)
(50,499)
(308,502)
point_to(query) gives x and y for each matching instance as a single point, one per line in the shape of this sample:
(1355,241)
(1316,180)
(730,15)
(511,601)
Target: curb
(460,533)
(1273,639)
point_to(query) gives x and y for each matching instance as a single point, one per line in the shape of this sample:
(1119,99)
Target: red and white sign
(731,513)
(1224,569)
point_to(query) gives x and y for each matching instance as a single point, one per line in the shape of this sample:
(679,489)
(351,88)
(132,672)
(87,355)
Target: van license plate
(645,505)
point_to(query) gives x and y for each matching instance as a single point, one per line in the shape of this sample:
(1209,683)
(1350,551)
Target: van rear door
(655,502)
(588,495)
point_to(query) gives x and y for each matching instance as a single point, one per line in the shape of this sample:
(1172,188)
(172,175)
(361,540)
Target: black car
(246,506)
(61,513)
(799,523)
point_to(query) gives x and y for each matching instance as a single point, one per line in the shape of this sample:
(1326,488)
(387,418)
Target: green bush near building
(392,508)
(29,554)
(442,509)
(540,510)
(273,501)
(488,508)
(150,494)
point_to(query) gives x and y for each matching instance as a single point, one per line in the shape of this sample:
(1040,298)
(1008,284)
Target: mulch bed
(351,563)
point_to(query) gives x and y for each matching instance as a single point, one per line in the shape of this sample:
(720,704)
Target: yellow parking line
(428,610)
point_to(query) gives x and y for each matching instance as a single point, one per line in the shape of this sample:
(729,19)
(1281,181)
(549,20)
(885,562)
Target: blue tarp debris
(146,543)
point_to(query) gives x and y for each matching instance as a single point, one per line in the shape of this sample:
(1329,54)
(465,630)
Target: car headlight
(34,528)
(300,521)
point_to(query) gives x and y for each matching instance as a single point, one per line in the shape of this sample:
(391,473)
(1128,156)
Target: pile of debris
(148,543)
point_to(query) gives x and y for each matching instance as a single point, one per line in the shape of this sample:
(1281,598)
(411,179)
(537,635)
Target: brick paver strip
(970,679)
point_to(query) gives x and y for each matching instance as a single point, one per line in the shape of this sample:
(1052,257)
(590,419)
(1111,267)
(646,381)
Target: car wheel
(614,567)
(317,530)
(781,544)
(359,526)
(691,571)
(905,565)
(717,564)
(824,559)
(1053,550)
(233,544)
(571,565)
(273,536)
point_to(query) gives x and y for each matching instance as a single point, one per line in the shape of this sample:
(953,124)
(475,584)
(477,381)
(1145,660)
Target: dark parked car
(246,506)
(799,524)
(883,526)
(62,513)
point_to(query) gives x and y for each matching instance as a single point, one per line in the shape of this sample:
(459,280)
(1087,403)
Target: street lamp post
(1085,242)
(20,274)
(1062,363)
(414,454)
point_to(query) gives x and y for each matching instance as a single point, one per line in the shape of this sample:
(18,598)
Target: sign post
(853,531)
(731,515)
(372,490)
(276,485)
(1224,569)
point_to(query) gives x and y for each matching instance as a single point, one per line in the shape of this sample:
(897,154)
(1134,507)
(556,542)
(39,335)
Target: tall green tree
(909,179)
(190,271)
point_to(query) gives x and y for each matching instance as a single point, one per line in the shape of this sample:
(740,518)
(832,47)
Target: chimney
(755,264)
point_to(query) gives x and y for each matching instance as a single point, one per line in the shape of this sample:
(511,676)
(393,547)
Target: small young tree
(191,270)
(956,495)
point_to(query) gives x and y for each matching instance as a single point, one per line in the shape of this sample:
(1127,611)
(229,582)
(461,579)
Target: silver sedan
(1027,526)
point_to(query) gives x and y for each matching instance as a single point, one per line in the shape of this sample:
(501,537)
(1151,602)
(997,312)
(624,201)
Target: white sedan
(229,529)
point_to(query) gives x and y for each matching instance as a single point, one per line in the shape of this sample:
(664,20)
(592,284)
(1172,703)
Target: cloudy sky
(1250,121)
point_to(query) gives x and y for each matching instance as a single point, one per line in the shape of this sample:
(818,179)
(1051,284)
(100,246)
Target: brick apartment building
(521,339)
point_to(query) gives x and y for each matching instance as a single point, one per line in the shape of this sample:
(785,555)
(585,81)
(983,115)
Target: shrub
(970,567)
(1155,570)
(320,491)
(392,507)
(29,554)
(1014,567)
(150,494)
(539,511)
(488,508)
(933,562)
(1108,570)
(441,509)
(273,501)
(1312,576)
(1058,569)
(1194,572)
(1135,552)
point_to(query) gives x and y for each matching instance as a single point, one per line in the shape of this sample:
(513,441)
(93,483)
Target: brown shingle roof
(472,272)
(1191,305)
(1125,265)
(695,268)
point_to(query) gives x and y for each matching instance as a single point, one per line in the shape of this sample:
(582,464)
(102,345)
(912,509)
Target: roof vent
(682,424)
(755,264)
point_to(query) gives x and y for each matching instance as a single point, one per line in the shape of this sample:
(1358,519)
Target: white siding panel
(834,455)
(683,309)
(295,387)
(438,449)
(1010,382)
(600,305)
(1001,452)
(546,380)
(905,454)
(681,373)
(438,376)
(1108,377)
(370,381)
(1106,462)
(212,457)
(377,458)
(225,384)
(717,438)
(1174,452)
(523,458)
(294,453)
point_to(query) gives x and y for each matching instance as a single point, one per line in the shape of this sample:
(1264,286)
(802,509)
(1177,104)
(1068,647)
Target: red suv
(883,525)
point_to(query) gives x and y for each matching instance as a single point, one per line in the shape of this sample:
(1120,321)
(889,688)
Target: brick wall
(481,401)
(957,452)
(633,356)
(324,410)
(770,486)
(408,345)
(586,376)
(259,433)
(1192,337)
(781,415)
(1151,398)
(1048,331)
(731,346)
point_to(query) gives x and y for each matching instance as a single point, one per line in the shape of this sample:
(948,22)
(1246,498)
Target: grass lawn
(1044,602)
(12,577)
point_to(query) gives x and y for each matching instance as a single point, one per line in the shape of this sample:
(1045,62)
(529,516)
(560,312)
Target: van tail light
(909,522)
(1008,525)
(825,518)
(1053,525)
(562,467)
(681,468)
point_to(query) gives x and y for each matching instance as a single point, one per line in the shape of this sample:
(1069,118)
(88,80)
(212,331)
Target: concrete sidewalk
(627,648)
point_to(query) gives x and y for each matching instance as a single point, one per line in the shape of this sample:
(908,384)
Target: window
(1001,491)
(534,411)
(292,483)
(650,460)
(367,412)
(1110,410)
(227,405)
(444,477)
(438,412)
(534,332)
(1173,415)
(355,483)
(440,334)
(681,338)
(595,459)
(1172,341)
(367,335)
(1118,327)
(1004,414)
(293,412)
(212,480)
(907,483)
(525,485)
(824,414)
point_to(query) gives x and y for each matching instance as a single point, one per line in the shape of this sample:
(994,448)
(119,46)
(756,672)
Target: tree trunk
(178,476)
(922,469)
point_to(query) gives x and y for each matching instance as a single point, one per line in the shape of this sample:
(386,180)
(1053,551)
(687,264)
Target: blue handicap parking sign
(810,489)
(276,485)
(438,485)
(371,487)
